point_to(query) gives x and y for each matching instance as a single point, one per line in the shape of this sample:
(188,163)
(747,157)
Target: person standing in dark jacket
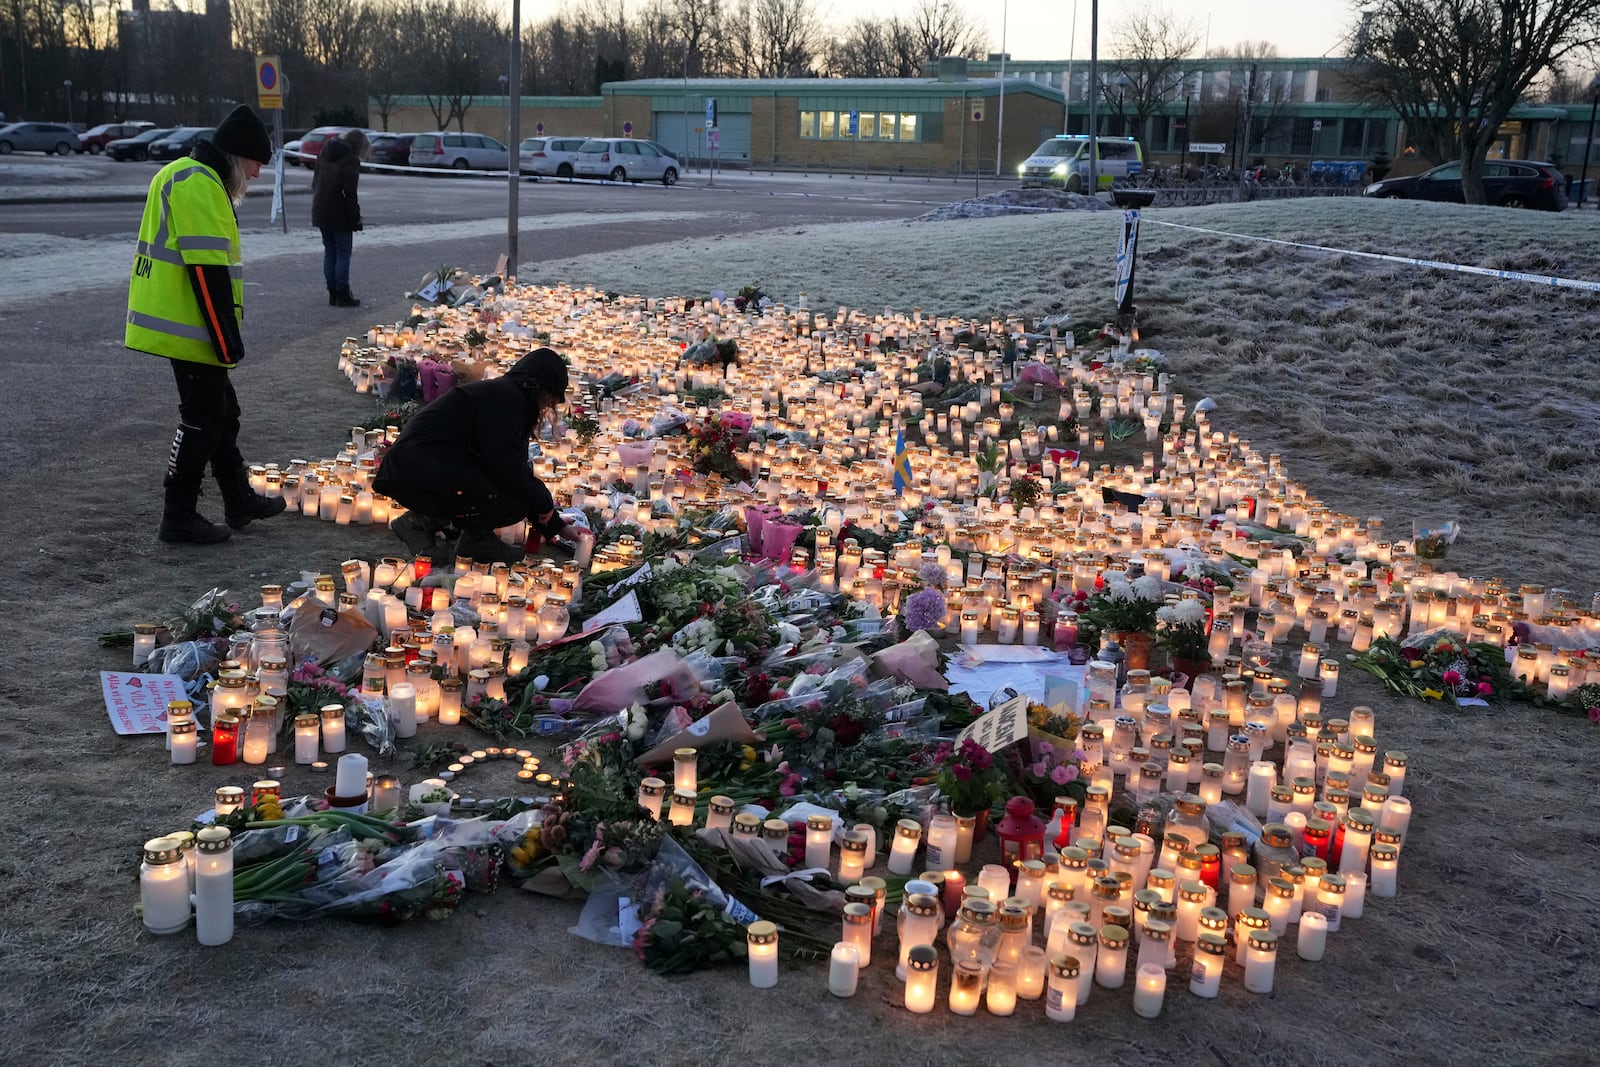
(336,211)
(462,463)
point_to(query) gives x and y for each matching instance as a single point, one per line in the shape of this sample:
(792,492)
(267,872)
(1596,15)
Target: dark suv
(1507,182)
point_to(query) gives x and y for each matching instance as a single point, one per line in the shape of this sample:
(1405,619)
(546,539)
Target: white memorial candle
(819,840)
(163,887)
(1395,815)
(1263,776)
(213,886)
(907,835)
(1149,990)
(403,709)
(332,728)
(350,779)
(306,732)
(966,983)
(922,978)
(1312,939)
(762,944)
(1385,871)
(182,737)
(844,969)
(1205,973)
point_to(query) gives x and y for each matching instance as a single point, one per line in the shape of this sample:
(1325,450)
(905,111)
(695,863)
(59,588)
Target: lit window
(808,124)
(825,131)
(908,127)
(886,126)
(869,125)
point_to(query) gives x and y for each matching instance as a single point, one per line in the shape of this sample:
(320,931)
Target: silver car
(461,151)
(47,137)
(624,159)
(550,156)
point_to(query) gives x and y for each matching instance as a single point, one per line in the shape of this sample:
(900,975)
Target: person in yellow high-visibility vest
(185,302)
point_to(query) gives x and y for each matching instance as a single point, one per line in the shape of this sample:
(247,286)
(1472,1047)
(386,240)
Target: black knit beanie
(243,133)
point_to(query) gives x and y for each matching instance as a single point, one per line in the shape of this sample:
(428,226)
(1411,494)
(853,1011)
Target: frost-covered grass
(1390,390)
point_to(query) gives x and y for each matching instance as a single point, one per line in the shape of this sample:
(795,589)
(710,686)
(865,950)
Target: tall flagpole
(1000,112)
(513,160)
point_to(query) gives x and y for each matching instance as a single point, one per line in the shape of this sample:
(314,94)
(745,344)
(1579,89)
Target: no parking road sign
(269,83)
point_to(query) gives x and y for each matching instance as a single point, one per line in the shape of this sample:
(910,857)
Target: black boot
(482,546)
(333,297)
(182,524)
(243,505)
(419,533)
(344,298)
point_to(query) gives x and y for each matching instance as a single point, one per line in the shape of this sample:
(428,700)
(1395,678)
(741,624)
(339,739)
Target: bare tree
(1151,45)
(465,55)
(866,50)
(939,28)
(775,39)
(698,24)
(399,30)
(1454,69)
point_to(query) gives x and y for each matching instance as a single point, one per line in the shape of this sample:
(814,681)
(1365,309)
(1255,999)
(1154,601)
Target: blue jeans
(336,245)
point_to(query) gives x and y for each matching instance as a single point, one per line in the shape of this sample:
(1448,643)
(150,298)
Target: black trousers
(476,506)
(208,425)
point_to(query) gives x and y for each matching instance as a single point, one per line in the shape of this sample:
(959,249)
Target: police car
(1063,161)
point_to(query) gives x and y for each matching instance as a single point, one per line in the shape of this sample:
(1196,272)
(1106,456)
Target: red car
(94,141)
(312,144)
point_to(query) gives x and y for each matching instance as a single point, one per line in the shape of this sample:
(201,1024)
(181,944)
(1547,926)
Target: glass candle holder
(1001,993)
(966,986)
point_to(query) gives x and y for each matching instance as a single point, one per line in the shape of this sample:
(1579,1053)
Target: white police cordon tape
(500,176)
(1411,261)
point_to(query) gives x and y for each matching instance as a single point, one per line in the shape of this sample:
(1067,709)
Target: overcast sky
(1043,29)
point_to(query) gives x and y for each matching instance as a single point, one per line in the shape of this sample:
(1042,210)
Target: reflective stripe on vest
(167,326)
(164,314)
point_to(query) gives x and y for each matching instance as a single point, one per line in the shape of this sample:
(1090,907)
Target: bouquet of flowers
(712,448)
(1123,606)
(1181,631)
(1442,665)
(1055,771)
(968,777)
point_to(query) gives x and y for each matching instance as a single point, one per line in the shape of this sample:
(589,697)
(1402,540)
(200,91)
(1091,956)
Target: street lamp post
(1594,104)
(68,84)
(686,102)
(1000,112)
(1183,152)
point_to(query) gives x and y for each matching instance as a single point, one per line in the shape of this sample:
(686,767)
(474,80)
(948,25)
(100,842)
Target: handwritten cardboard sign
(137,703)
(1005,725)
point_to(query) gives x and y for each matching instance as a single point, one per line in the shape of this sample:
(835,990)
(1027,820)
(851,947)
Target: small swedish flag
(902,463)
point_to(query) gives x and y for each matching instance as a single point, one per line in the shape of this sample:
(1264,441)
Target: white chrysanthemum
(1148,587)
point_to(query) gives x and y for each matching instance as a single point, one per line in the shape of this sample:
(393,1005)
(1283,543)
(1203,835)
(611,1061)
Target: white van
(1063,161)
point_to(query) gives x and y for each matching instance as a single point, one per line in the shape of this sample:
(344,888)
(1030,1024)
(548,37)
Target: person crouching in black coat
(462,463)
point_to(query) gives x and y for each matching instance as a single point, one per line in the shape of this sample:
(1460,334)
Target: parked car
(462,151)
(177,143)
(291,153)
(138,147)
(94,141)
(48,137)
(1063,161)
(1507,182)
(552,156)
(391,149)
(624,159)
